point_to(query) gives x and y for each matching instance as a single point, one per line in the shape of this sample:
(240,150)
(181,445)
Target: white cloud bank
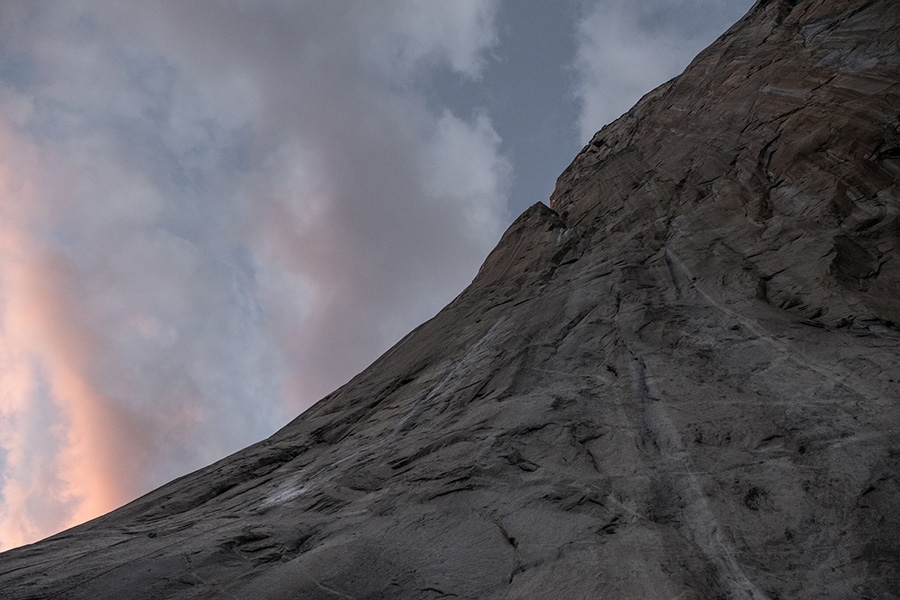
(627,48)
(212,214)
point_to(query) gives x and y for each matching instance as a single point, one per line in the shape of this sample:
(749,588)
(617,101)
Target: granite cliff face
(681,381)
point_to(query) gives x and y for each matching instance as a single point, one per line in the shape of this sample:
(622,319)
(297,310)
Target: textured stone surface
(681,382)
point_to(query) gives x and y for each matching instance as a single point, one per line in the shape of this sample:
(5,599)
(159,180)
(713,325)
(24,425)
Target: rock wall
(681,382)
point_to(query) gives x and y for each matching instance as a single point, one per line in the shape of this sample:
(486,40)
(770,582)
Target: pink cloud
(211,215)
(94,446)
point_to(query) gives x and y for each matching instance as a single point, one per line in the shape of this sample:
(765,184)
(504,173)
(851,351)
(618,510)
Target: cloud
(402,35)
(625,49)
(213,213)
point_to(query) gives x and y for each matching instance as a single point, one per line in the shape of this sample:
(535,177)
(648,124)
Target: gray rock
(681,382)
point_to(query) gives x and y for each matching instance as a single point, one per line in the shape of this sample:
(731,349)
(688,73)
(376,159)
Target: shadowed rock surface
(682,381)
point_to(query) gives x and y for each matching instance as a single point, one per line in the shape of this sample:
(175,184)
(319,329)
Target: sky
(213,213)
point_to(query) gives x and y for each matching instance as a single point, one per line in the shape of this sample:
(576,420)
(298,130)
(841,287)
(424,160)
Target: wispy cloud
(625,49)
(212,215)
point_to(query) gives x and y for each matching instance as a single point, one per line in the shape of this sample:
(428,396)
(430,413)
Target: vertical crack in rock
(697,521)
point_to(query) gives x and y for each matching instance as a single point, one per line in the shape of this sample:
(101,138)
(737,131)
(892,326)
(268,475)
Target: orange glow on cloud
(83,464)
(194,247)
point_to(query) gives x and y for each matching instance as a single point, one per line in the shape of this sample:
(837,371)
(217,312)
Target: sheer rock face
(772,161)
(681,382)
